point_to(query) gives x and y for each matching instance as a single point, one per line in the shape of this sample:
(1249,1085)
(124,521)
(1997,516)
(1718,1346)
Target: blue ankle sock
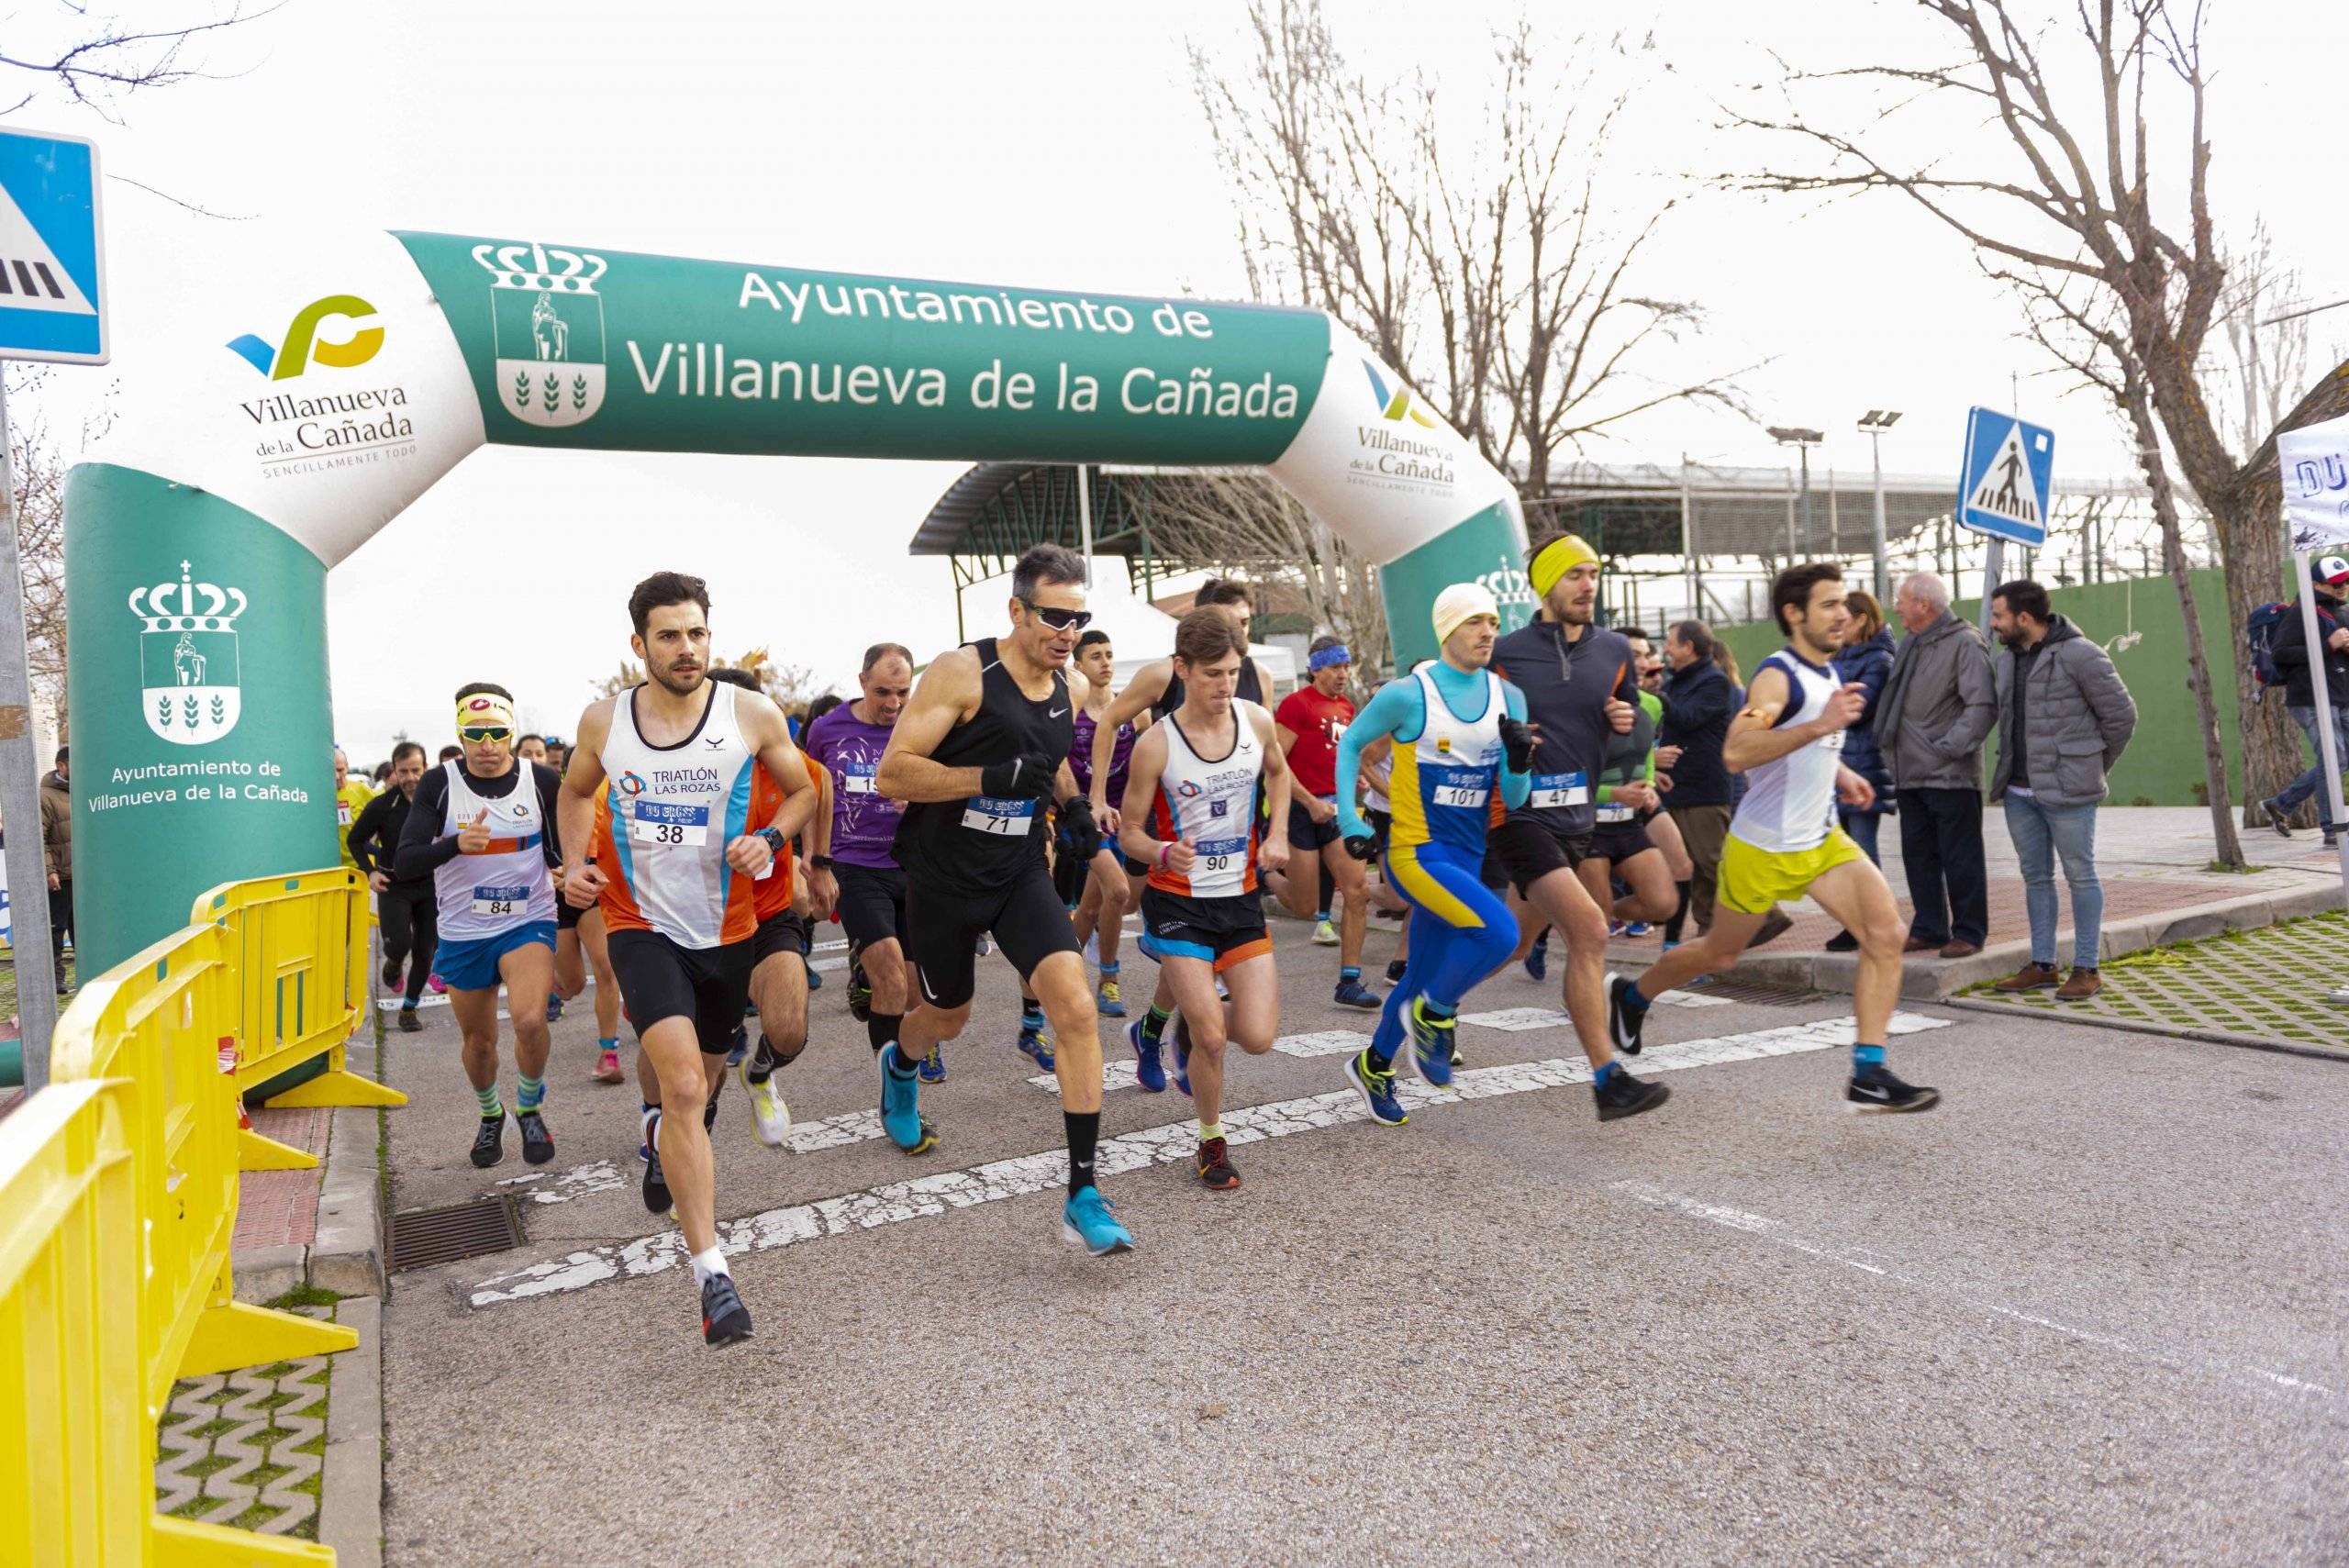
(1598,1079)
(1348,972)
(1109,970)
(1866,1056)
(608,1042)
(1634,1002)
(1322,916)
(1031,1018)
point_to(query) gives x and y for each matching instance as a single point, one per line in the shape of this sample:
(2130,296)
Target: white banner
(2315,463)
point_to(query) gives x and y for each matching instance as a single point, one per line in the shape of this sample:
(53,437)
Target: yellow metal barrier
(118,1190)
(302,954)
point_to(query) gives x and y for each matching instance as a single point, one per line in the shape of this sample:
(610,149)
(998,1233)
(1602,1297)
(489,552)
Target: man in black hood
(2328,577)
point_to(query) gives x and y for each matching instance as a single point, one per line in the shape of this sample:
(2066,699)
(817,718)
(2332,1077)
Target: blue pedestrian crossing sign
(52,258)
(2002,489)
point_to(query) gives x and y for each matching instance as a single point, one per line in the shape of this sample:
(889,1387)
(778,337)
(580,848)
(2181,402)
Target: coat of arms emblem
(547,327)
(187,657)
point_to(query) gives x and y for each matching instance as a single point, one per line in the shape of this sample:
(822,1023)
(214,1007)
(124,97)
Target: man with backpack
(2287,663)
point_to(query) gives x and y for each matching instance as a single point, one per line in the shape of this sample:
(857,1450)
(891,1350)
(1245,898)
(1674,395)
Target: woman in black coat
(1867,659)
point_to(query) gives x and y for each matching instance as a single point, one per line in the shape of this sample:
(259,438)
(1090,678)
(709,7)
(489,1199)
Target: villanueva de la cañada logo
(337,425)
(188,680)
(547,327)
(1391,452)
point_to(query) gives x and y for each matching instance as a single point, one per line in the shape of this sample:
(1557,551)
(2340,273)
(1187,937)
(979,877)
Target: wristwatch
(775,840)
(819,862)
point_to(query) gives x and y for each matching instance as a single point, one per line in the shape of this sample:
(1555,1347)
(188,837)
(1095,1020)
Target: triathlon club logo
(304,346)
(187,657)
(631,785)
(547,330)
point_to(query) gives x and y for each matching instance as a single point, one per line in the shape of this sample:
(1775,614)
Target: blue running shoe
(1376,1086)
(1537,961)
(1038,1047)
(738,1047)
(901,1116)
(1182,1054)
(814,979)
(1430,1044)
(933,1066)
(1085,1221)
(1105,997)
(1354,993)
(1148,1074)
(554,1008)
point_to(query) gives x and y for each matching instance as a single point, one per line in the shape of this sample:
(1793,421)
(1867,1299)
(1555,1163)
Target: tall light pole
(1874,424)
(1802,441)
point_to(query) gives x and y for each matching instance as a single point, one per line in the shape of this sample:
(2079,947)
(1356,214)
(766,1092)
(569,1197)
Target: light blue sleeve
(1515,786)
(1396,709)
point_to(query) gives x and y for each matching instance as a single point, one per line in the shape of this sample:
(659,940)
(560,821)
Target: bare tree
(2068,190)
(1486,260)
(39,464)
(102,59)
(788,684)
(1242,522)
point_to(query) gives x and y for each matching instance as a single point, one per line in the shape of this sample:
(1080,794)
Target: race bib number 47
(993,814)
(657,822)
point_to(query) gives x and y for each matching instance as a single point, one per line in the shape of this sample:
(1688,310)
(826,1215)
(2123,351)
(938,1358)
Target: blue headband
(1324,658)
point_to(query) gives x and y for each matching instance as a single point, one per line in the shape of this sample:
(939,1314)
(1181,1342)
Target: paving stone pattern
(2270,984)
(274,1207)
(247,1448)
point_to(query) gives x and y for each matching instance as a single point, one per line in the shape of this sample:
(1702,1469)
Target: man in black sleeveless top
(979,755)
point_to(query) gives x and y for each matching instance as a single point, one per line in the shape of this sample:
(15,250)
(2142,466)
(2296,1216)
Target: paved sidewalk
(2158,889)
(248,1448)
(2269,987)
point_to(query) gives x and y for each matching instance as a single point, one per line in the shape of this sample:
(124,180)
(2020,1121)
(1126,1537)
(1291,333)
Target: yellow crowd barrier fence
(118,1205)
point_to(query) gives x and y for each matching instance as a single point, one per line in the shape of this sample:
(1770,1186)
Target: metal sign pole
(2328,753)
(20,793)
(1993,562)
(1085,519)
(1883,570)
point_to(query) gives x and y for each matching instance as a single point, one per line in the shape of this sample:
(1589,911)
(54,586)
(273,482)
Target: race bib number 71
(994,814)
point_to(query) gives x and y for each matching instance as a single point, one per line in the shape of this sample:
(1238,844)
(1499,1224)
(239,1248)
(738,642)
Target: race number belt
(1551,790)
(660,823)
(997,815)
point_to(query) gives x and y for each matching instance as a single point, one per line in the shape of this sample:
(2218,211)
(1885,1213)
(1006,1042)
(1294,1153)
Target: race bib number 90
(993,814)
(501,900)
(657,822)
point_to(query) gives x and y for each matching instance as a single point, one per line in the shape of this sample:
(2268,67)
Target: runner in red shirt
(1309,721)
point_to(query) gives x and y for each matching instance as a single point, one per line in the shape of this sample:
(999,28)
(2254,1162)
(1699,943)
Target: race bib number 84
(501,900)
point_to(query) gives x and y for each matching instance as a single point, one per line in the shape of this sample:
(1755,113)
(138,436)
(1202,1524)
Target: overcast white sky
(1045,144)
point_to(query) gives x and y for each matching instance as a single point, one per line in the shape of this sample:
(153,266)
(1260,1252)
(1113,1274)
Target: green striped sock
(491,1106)
(529,1094)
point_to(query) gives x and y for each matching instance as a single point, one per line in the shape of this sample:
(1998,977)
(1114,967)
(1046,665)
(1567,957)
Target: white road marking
(1323,1042)
(1778,1233)
(1518,1020)
(936,1194)
(596,1176)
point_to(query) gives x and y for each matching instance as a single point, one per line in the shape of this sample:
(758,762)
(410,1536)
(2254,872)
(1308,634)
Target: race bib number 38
(659,823)
(992,813)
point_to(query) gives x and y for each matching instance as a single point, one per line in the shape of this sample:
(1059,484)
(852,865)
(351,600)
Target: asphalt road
(2091,1311)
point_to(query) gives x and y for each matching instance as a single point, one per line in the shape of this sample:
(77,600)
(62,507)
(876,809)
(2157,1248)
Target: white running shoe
(770,1117)
(1325,935)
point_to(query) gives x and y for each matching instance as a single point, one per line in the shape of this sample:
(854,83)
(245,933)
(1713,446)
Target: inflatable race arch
(199,537)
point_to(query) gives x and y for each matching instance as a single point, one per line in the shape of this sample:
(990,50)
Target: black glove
(1078,830)
(1518,740)
(1362,845)
(1022,778)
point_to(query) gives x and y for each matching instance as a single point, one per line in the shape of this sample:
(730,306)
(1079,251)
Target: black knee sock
(1679,915)
(1328,885)
(881,1028)
(1084,1130)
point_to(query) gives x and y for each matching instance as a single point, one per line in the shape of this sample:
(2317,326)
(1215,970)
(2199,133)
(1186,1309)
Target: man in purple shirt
(859,882)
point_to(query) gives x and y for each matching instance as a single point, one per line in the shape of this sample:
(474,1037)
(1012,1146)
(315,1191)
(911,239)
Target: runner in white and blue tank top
(1783,841)
(481,825)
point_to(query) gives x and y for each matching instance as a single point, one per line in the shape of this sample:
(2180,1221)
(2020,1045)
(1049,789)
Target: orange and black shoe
(1215,1166)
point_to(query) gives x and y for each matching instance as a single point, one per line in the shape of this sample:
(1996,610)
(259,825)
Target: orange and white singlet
(674,809)
(1213,805)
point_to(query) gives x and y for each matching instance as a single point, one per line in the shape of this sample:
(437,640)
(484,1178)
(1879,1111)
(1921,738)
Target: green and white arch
(322,385)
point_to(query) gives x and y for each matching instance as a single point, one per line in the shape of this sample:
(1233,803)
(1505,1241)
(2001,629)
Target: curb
(2136,1026)
(1936,981)
(351,1488)
(345,1254)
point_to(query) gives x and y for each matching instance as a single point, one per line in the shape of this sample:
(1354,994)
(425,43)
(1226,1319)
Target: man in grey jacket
(2064,720)
(1936,711)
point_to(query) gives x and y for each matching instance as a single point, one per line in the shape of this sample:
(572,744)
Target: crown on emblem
(541,267)
(174,607)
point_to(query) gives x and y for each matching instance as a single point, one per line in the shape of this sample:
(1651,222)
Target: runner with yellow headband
(481,825)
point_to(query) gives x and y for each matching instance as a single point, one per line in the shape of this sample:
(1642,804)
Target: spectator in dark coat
(1698,703)
(1866,658)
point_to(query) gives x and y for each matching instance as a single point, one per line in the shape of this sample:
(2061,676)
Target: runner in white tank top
(1192,791)
(674,859)
(480,825)
(1784,843)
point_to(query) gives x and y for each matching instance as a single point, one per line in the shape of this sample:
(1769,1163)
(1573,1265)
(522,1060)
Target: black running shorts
(1223,932)
(1306,834)
(1025,918)
(661,980)
(871,904)
(786,932)
(566,913)
(1616,842)
(1529,852)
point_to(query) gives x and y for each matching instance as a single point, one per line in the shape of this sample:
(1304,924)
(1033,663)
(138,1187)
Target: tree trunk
(2197,662)
(2251,544)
